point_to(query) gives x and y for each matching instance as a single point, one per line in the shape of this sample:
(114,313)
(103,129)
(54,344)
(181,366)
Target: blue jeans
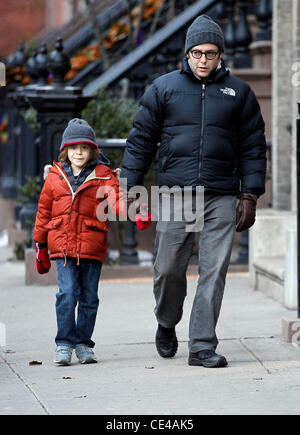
(78,284)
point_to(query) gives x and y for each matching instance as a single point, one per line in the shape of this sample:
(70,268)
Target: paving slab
(263,376)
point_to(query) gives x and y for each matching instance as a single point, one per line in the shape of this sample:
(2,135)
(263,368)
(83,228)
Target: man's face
(202,67)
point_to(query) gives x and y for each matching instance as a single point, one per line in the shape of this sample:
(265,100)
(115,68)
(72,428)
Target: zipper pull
(203,90)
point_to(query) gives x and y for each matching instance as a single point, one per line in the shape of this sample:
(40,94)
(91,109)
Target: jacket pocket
(93,238)
(95,225)
(54,223)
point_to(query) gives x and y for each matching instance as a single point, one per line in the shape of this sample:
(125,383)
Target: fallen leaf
(35,363)
(149,367)
(67,377)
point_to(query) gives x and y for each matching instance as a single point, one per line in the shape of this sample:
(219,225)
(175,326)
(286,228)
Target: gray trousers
(173,249)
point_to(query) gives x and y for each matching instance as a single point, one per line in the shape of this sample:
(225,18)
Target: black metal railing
(129,253)
(163,52)
(157,55)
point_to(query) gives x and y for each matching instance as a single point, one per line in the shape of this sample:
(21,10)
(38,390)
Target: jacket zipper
(202,131)
(86,181)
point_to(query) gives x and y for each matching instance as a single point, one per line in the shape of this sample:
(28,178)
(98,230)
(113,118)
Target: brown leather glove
(245,211)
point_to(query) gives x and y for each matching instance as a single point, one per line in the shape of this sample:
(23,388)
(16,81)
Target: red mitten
(143,218)
(42,258)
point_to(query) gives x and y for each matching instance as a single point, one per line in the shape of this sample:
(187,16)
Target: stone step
(269,273)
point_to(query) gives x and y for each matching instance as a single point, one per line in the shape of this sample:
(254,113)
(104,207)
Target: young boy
(67,224)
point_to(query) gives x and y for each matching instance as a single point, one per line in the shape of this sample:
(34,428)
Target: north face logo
(228,91)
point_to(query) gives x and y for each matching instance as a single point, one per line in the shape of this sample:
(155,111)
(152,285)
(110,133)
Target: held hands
(42,258)
(245,211)
(142,217)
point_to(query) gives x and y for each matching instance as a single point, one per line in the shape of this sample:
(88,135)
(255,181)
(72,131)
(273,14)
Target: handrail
(104,19)
(111,143)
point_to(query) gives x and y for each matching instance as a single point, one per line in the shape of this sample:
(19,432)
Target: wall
(20,21)
(296,97)
(282,120)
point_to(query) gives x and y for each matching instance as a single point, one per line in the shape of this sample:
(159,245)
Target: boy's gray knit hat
(78,130)
(204,30)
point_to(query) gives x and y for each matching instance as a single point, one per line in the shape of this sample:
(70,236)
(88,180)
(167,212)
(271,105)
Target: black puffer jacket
(209,134)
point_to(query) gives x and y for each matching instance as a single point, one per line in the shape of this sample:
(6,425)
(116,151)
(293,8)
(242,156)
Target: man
(211,133)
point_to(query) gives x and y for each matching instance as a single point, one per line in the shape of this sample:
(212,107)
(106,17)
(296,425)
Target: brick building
(21,20)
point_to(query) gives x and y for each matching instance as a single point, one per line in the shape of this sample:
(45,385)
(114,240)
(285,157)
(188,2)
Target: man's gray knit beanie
(77,131)
(204,30)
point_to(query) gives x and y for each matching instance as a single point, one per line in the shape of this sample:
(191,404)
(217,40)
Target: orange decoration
(79,62)
(91,52)
(117,32)
(3,126)
(150,8)
(25,80)
(71,74)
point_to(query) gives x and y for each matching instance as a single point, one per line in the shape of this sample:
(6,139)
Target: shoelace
(64,349)
(85,349)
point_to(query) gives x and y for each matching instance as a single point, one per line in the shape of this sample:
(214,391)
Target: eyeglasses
(210,55)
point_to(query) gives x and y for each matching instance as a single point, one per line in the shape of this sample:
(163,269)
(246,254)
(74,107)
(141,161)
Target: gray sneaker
(63,355)
(85,354)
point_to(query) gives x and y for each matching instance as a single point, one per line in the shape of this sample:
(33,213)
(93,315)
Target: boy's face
(79,155)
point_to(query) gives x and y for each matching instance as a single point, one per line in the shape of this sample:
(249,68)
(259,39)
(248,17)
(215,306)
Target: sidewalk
(263,376)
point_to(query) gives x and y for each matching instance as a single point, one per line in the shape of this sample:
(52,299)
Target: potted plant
(28,197)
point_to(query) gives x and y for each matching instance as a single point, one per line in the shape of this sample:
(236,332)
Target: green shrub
(30,191)
(28,194)
(110,117)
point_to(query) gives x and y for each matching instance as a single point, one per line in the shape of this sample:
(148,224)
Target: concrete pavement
(263,376)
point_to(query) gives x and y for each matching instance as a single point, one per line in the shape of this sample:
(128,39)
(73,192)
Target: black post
(229,33)
(264,17)
(298,208)
(243,38)
(9,182)
(129,254)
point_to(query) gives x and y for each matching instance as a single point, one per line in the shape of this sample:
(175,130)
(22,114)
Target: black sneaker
(166,341)
(207,358)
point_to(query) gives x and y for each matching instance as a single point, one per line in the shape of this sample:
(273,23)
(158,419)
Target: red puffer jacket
(68,221)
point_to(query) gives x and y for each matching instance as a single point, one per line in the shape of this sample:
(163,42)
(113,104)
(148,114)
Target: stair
(269,276)
(272,255)
(79,20)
